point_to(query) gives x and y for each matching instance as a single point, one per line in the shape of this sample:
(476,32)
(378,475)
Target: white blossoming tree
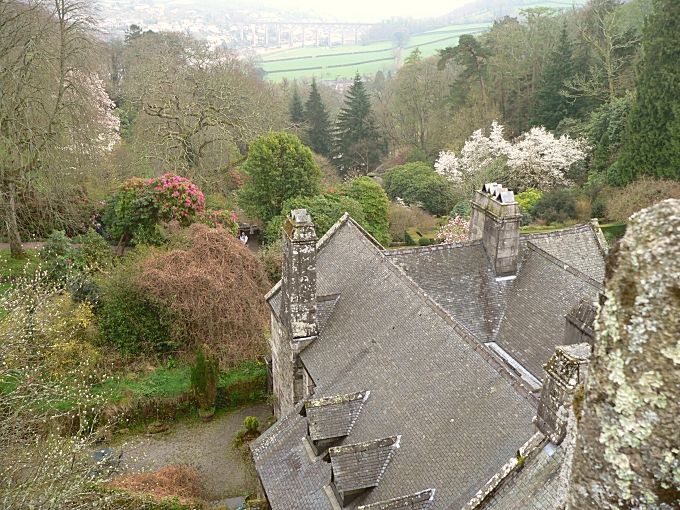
(457,230)
(536,159)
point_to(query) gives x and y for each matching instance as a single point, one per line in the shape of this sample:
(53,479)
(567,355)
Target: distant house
(410,379)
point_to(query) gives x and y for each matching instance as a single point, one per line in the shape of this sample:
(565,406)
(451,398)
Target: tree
(374,204)
(418,183)
(537,159)
(472,57)
(296,111)
(551,105)
(651,142)
(358,143)
(54,112)
(318,129)
(279,167)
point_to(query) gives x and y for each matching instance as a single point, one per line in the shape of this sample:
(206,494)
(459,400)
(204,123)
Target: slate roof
(524,315)
(419,501)
(361,465)
(333,417)
(459,413)
(534,487)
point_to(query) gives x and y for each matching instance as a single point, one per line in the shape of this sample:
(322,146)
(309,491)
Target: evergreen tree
(551,106)
(358,143)
(318,129)
(297,111)
(654,120)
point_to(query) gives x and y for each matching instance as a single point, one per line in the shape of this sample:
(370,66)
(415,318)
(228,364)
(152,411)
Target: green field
(345,61)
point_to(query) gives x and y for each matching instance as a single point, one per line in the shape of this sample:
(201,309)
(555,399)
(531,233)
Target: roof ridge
(555,233)
(431,248)
(476,344)
(564,266)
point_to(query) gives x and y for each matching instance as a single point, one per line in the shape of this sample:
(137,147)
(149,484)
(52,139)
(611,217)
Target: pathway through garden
(205,446)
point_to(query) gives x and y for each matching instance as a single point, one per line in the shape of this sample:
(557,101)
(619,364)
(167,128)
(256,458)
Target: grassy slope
(345,61)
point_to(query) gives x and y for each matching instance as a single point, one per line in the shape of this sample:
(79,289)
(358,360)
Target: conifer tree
(318,129)
(297,111)
(358,143)
(651,145)
(551,106)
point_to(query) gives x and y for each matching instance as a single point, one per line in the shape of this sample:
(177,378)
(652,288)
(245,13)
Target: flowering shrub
(456,230)
(528,199)
(140,204)
(536,159)
(220,218)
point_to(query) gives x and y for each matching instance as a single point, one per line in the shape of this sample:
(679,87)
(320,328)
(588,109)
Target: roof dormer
(357,468)
(422,500)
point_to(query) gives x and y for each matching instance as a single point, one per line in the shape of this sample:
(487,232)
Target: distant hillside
(480,11)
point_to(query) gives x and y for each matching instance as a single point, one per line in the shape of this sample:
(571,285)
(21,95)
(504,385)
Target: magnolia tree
(457,230)
(536,159)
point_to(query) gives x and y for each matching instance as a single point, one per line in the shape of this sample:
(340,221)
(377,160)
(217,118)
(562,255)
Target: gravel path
(205,446)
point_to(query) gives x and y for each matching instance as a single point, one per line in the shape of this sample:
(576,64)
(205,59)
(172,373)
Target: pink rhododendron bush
(134,212)
(457,230)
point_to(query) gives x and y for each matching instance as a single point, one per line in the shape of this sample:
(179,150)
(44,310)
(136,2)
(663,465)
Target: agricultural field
(345,61)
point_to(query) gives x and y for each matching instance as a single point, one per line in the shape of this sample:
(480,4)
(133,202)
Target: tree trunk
(15,247)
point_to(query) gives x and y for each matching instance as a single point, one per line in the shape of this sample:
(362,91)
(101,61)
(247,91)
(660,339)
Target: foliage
(212,286)
(424,241)
(536,159)
(457,230)
(127,318)
(419,184)
(95,253)
(374,204)
(402,218)
(204,377)
(408,240)
(251,424)
(654,122)
(358,143)
(58,256)
(556,206)
(47,401)
(462,208)
(271,257)
(324,209)
(318,129)
(278,168)
(135,210)
(528,199)
(551,104)
(296,111)
(621,203)
(221,218)
(174,482)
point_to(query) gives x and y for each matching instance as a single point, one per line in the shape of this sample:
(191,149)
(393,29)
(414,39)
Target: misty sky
(371,10)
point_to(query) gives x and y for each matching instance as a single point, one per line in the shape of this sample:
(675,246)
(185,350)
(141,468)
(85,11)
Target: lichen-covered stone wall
(627,451)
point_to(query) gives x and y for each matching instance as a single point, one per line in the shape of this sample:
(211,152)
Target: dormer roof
(422,500)
(362,465)
(333,417)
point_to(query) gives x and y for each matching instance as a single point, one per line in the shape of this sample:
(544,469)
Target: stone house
(411,378)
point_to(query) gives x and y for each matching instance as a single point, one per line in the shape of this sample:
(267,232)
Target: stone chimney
(298,282)
(565,370)
(495,220)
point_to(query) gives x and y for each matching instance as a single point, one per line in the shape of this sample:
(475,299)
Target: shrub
(213,287)
(205,374)
(58,256)
(621,203)
(219,218)
(556,207)
(457,230)
(171,481)
(408,240)
(271,258)
(251,424)
(462,209)
(528,199)
(127,318)
(418,183)
(95,253)
(374,204)
(402,218)
(135,210)
(424,241)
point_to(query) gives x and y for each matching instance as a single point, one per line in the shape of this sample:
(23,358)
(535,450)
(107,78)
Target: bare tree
(48,103)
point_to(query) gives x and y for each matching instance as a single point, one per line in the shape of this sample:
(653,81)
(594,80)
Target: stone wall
(283,374)
(628,447)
